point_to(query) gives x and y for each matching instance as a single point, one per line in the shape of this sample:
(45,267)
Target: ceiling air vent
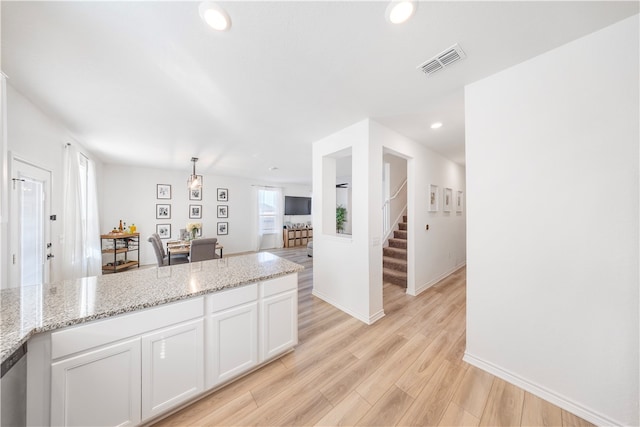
(441,60)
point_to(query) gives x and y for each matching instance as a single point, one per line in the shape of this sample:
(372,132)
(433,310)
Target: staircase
(394,257)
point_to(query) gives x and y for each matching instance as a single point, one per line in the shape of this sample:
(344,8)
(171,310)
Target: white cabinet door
(98,388)
(279,324)
(233,343)
(172,366)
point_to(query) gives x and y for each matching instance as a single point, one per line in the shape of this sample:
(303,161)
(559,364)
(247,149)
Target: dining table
(177,247)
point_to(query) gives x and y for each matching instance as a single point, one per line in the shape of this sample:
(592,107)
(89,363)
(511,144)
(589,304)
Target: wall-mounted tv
(297,205)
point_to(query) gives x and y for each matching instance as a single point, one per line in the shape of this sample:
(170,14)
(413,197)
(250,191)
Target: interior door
(29,224)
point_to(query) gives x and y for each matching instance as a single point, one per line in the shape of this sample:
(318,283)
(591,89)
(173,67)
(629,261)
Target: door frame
(13,223)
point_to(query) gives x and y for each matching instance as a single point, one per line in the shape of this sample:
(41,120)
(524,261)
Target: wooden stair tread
(394,263)
(400,234)
(397,243)
(394,273)
(395,252)
(394,276)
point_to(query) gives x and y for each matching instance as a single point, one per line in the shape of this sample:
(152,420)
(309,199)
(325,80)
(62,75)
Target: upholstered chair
(203,249)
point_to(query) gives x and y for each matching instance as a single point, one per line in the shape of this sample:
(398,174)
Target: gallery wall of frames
(194,209)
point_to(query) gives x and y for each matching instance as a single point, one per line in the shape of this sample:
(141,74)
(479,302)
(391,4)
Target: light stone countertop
(39,308)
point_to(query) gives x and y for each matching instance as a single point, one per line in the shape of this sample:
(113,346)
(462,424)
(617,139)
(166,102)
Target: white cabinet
(99,387)
(129,369)
(172,367)
(232,334)
(278,316)
(234,337)
(114,372)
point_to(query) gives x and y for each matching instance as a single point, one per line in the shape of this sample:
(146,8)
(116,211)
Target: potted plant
(341,218)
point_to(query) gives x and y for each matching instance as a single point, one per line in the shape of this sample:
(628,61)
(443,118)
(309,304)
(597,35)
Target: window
(270,210)
(268,202)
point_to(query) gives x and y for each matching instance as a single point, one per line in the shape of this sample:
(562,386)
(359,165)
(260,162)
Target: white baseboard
(365,319)
(429,284)
(373,319)
(542,392)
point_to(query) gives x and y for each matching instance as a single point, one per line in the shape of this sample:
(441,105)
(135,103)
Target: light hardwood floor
(406,369)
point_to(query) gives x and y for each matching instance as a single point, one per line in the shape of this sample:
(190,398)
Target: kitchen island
(125,349)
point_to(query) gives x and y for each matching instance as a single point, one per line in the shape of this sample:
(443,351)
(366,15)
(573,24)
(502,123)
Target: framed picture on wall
(223,195)
(163,191)
(223,211)
(459,201)
(223,228)
(433,198)
(163,211)
(195,211)
(448,201)
(163,230)
(195,193)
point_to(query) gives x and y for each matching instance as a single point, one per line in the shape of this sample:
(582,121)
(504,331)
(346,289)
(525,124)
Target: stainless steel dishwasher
(14,389)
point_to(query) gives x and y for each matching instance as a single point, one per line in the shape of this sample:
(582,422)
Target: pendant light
(194,182)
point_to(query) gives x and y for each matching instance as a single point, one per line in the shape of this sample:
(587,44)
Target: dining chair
(157,251)
(175,258)
(203,249)
(161,256)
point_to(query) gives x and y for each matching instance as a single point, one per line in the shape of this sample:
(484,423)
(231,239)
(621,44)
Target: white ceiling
(147,83)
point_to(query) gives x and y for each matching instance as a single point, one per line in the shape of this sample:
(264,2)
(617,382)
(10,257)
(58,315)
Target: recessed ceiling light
(400,11)
(215,16)
(436,125)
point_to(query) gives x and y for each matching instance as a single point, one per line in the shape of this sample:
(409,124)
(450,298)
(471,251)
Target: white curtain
(269,218)
(81,253)
(93,249)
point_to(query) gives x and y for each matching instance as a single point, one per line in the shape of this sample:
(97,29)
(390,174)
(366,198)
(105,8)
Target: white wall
(34,136)
(341,262)
(129,193)
(552,279)
(348,269)
(4,187)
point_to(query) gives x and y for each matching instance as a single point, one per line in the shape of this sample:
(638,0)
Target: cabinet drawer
(101,332)
(279,285)
(232,297)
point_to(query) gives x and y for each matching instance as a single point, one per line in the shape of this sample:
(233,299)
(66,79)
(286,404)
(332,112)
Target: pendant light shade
(194,182)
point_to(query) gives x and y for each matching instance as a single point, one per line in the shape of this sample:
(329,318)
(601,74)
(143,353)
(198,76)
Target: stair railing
(386,212)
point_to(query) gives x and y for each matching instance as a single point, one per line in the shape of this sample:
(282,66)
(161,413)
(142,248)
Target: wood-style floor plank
(416,376)
(473,391)
(239,407)
(377,384)
(406,369)
(504,405)
(388,410)
(571,420)
(432,402)
(347,412)
(539,412)
(457,416)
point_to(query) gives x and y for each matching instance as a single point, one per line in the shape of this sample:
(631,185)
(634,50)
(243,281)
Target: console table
(297,237)
(120,243)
